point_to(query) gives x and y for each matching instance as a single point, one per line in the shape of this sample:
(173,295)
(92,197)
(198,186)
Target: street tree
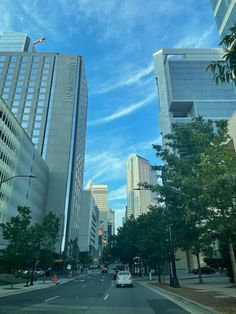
(224,71)
(16,232)
(184,188)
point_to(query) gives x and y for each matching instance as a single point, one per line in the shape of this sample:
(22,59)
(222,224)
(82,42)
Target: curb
(36,287)
(187,304)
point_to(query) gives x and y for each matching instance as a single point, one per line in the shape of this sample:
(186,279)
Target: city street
(93,293)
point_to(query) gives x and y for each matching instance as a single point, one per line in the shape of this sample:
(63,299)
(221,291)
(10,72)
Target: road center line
(106,297)
(57,296)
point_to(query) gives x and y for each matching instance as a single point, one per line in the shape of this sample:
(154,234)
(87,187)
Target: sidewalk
(6,290)
(215,295)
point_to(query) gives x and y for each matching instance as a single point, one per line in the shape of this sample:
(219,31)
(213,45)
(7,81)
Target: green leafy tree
(224,70)
(187,172)
(17,233)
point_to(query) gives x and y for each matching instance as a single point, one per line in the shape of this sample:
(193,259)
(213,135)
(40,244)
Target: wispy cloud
(106,166)
(124,111)
(196,41)
(118,194)
(126,80)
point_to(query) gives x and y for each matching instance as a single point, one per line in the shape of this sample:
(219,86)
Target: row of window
(8,123)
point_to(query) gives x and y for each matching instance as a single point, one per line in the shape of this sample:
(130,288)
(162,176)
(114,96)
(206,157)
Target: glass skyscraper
(186,90)
(47,92)
(225,15)
(15,42)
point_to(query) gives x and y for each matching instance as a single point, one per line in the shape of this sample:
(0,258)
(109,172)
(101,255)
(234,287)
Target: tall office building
(47,92)
(139,171)
(100,195)
(186,90)
(89,224)
(15,42)
(225,15)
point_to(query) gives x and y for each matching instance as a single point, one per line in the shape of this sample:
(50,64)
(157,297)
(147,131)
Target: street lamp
(17,176)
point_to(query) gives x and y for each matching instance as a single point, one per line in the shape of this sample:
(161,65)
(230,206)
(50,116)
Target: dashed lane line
(57,296)
(106,297)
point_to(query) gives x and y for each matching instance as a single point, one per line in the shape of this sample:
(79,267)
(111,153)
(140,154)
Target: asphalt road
(94,293)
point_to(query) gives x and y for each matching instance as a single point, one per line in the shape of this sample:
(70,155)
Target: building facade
(100,194)
(186,90)
(138,171)
(47,92)
(225,15)
(88,225)
(20,160)
(15,42)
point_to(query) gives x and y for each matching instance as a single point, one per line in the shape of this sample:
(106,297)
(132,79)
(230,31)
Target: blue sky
(117,39)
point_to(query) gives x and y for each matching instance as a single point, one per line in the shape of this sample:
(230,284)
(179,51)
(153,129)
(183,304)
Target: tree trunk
(199,269)
(12,274)
(232,259)
(159,272)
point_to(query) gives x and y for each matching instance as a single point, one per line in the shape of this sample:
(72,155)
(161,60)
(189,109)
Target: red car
(204,270)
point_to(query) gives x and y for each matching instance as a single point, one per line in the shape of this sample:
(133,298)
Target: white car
(123,279)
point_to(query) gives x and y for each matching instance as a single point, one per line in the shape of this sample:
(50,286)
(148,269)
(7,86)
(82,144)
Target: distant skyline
(117,40)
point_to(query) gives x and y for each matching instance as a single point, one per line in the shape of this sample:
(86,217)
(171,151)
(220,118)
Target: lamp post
(17,176)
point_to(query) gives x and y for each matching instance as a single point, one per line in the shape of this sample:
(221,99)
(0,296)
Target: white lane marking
(83,286)
(106,297)
(82,280)
(57,296)
(102,279)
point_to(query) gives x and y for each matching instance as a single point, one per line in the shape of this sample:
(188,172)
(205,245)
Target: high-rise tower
(225,15)
(138,171)
(186,90)
(47,92)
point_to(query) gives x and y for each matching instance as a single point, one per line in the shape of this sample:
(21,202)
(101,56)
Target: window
(32,77)
(16,103)
(42,96)
(18,90)
(2,58)
(17,96)
(44,77)
(25,59)
(40,103)
(24,124)
(14,110)
(31,83)
(8,83)
(39,110)
(20,83)
(35,140)
(6,90)
(13,58)
(37,125)
(43,84)
(29,96)
(21,77)
(27,110)
(30,90)
(25,117)
(38,118)
(36,133)
(28,103)
(42,90)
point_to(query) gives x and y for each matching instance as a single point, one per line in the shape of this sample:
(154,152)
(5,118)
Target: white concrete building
(138,171)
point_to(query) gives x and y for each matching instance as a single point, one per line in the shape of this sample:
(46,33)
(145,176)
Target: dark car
(104,270)
(204,270)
